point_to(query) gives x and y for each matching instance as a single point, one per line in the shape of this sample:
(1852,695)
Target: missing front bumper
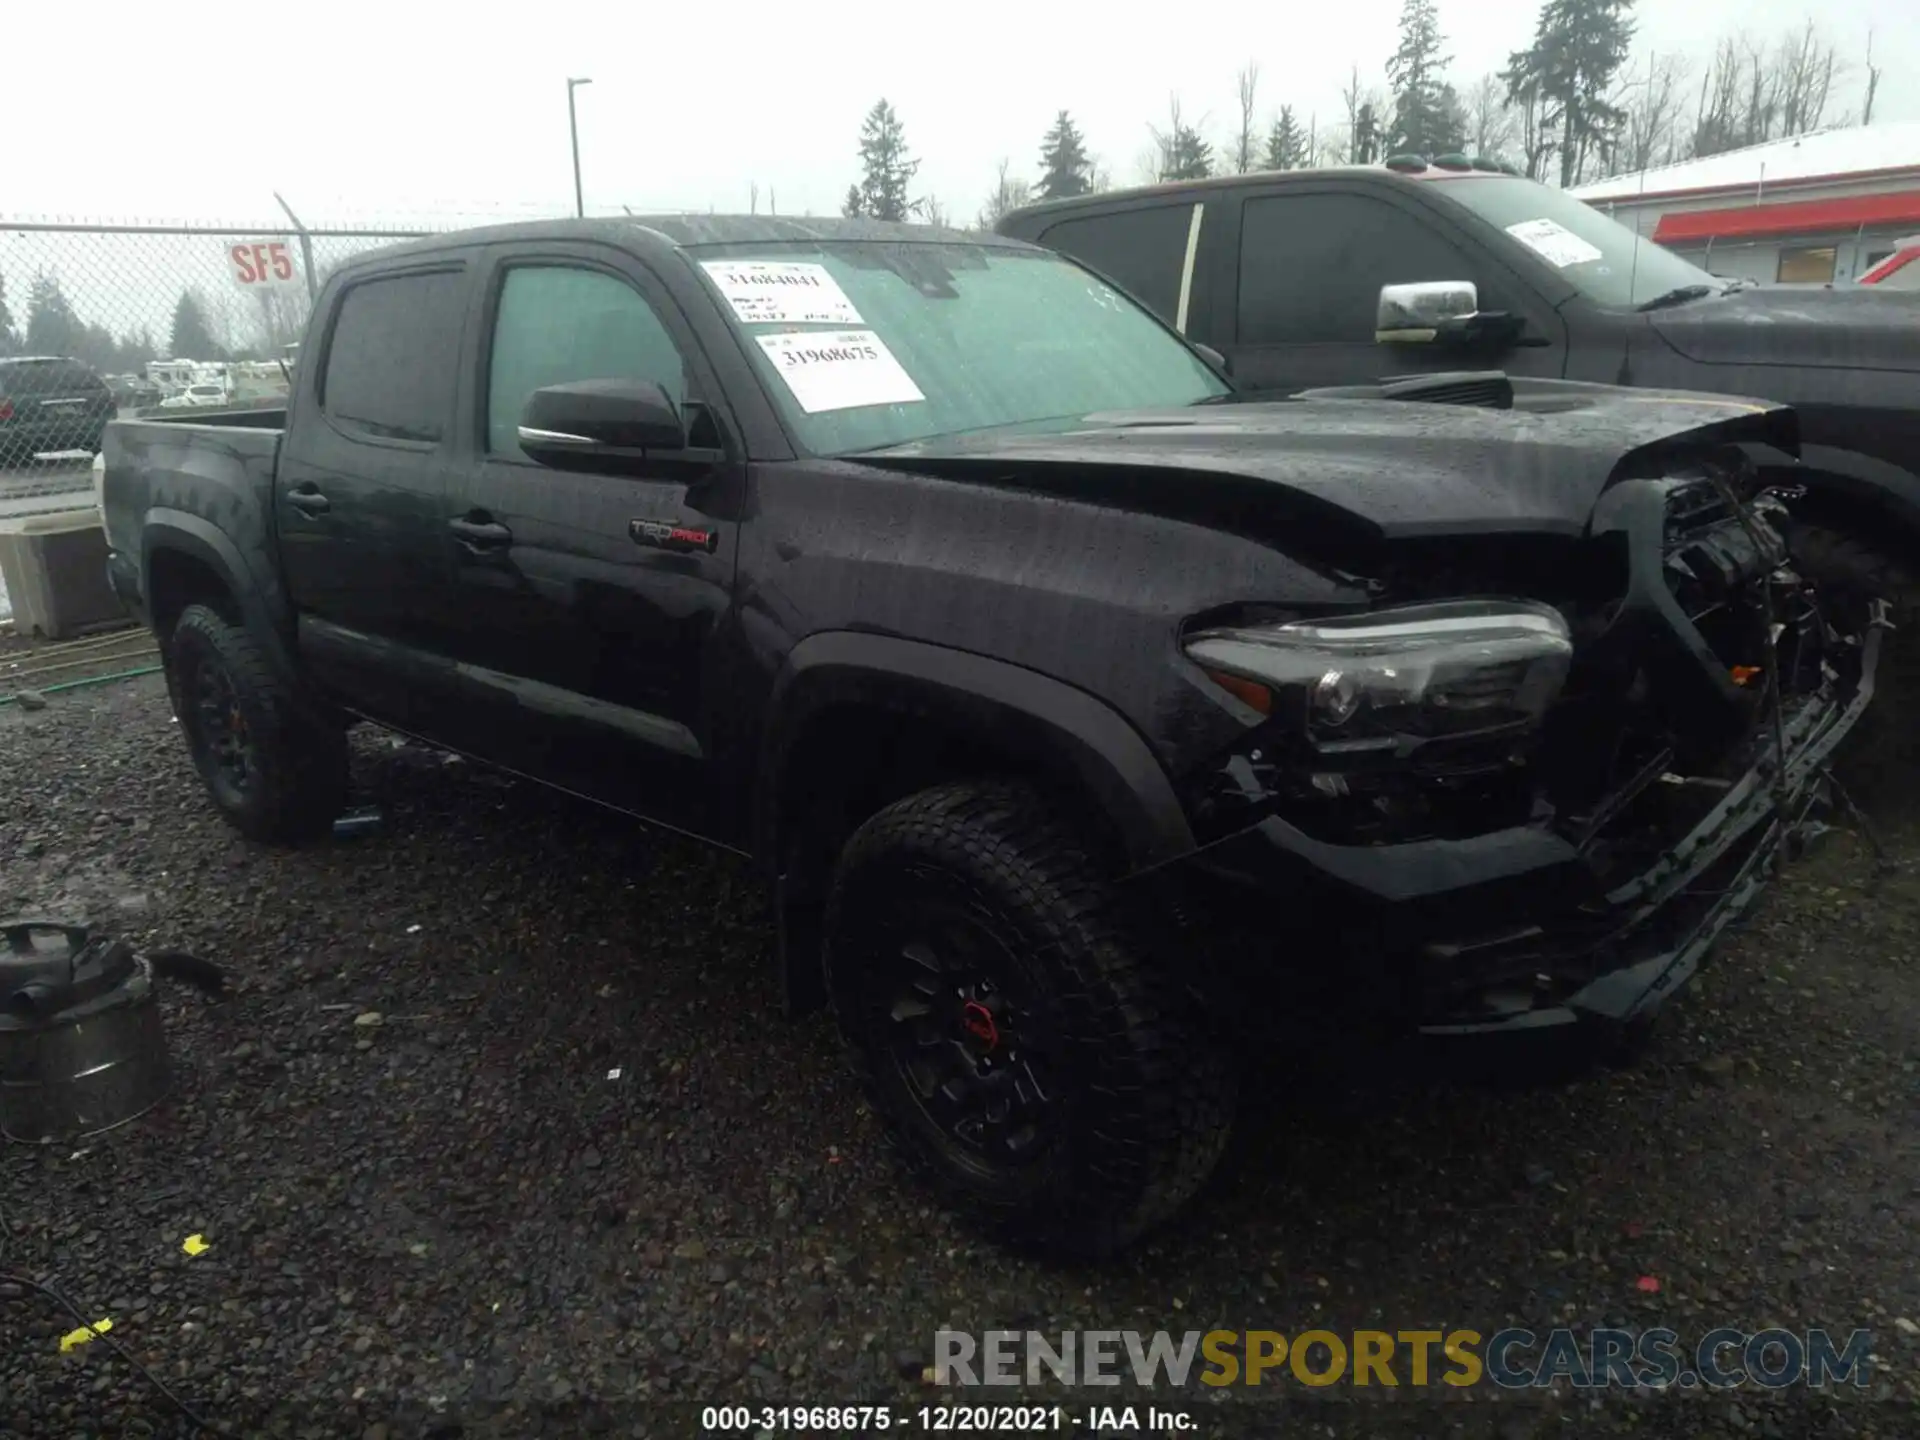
(1412,920)
(1626,957)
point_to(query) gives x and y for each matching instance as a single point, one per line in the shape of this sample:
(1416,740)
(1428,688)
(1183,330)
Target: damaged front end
(1521,813)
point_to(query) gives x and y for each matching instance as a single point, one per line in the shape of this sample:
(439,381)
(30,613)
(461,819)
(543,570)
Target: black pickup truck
(1080,716)
(1346,276)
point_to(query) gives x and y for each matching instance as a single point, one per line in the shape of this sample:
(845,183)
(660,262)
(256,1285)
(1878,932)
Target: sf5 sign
(262,264)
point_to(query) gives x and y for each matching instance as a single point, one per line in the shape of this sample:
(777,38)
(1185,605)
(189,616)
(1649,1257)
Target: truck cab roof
(654,235)
(1408,169)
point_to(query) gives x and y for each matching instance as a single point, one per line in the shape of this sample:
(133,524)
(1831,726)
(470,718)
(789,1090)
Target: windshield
(1593,250)
(865,344)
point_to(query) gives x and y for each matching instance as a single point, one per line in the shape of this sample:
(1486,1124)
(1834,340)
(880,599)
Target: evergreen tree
(850,207)
(1065,168)
(1451,123)
(1188,156)
(192,337)
(1578,48)
(52,327)
(885,167)
(1415,71)
(1286,143)
(9,340)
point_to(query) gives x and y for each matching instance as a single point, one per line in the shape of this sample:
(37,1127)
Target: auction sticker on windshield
(1553,242)
(842,370)
(780,292)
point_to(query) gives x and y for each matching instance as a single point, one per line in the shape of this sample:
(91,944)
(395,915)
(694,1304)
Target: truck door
(591,627)
(360,493)
(1296,305)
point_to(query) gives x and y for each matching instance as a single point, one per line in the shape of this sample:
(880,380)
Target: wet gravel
(501,1132)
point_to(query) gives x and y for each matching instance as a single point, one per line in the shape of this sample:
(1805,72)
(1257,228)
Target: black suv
(1335,277)
(50,404)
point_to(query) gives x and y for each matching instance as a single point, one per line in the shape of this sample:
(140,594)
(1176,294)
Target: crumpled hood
(1365,471)
(1850,328)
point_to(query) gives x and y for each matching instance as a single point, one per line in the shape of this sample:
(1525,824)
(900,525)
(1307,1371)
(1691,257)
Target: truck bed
(207,479)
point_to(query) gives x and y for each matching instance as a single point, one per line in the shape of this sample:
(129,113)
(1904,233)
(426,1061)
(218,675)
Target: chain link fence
(99,321)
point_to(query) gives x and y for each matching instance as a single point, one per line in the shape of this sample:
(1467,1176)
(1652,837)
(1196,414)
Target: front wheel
(274,774)
(1028,1061)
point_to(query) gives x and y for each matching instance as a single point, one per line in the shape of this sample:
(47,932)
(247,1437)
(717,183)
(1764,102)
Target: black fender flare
(1875,490)
(1084,735)
(182,533)
(1087,738)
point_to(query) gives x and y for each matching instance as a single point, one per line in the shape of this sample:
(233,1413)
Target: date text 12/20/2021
(956,1419)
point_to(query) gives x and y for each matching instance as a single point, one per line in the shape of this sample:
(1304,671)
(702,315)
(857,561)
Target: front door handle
(308,500)
(479,536)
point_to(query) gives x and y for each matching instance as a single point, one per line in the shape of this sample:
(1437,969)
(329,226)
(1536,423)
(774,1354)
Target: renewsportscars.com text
(1724,1358)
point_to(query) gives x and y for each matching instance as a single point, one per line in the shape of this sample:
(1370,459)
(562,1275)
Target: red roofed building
(1812,210)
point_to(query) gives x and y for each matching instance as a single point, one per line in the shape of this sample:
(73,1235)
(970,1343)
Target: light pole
(573,129)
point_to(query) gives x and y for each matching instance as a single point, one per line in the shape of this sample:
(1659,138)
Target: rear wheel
(274,774)
(1028,1061)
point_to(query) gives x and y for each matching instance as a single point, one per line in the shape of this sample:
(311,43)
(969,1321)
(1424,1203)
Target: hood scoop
(1480,389)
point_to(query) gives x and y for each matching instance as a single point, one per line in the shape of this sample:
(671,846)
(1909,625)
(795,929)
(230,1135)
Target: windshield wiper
(1679,295)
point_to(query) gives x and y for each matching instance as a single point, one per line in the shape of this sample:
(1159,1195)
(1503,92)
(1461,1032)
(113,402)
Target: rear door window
(392,359)
(1142,251)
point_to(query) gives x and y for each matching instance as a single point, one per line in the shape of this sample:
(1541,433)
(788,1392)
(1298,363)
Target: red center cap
(977,1020)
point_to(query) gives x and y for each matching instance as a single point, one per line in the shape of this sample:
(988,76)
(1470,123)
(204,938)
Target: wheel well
(176,580)
(849,761)
(1838,502)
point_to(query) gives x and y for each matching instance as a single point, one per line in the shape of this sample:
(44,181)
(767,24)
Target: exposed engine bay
(1656,706)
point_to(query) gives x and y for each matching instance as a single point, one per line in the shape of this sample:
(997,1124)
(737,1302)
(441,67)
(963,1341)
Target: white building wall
(1855,251)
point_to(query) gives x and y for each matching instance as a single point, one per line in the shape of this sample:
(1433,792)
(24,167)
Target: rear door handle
(481,535)
(309,501)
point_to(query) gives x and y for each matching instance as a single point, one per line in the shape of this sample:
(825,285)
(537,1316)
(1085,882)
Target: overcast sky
(399,109)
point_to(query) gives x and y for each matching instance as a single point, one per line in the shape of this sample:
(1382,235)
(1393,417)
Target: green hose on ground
(90,680)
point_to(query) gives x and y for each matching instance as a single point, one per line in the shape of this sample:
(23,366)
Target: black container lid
(47,967)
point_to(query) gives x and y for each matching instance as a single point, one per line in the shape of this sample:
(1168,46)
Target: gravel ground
(460,1216)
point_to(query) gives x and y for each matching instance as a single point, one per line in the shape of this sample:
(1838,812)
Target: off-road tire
(299,783)
(1146,1095)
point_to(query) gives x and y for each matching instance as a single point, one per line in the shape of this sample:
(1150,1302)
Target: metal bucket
(81,1048)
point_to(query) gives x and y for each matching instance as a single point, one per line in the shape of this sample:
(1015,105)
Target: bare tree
(1753,92)
(931,211)
(1352,97)
(1329,145)
(1717,124)
(1873,84)
(1652,98)
(1368,115)
(1807,67)
(1010,192)
(1490,120)
(1535,117)
(1245,142)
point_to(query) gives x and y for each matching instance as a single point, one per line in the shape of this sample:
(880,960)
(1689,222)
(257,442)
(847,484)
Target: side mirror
(1447,313)
(1420,314)
(591,422)
(1213,357)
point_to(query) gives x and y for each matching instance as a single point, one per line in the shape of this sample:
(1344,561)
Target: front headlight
(1357,681)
